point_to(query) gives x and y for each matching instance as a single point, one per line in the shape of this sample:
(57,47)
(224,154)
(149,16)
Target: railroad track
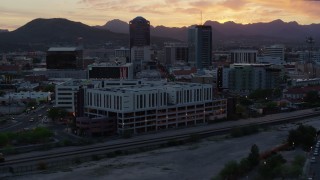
(142,143)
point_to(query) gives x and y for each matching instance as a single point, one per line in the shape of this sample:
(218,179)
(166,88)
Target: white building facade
(153,107)
(144,106)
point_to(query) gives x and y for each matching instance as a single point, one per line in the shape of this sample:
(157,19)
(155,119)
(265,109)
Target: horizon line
(162,24)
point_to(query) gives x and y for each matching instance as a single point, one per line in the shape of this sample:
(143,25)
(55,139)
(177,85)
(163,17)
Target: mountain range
(276,30)
(40,34)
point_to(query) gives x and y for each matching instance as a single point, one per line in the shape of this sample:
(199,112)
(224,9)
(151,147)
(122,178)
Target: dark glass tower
(200,46)
(139,29)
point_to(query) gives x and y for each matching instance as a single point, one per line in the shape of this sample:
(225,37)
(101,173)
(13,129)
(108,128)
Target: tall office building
(200,46)
(175,52)
(139,29)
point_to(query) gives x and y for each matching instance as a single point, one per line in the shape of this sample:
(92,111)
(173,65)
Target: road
(36,118)
(26,120)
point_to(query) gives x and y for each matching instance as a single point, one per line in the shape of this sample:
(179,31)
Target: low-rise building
(150,107)
(113,70)
(305,82)
(142,106)
(26,96)
(298,93)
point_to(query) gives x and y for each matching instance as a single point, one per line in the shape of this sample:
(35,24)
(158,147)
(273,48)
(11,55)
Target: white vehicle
(313,159)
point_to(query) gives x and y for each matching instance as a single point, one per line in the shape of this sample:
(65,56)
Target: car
(40,115)
(313,159)
(315,154)
(31,119)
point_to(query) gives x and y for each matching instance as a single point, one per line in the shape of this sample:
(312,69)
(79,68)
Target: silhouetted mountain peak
(116,25)
(4,30)
(293,23)
(277,21)
(45,32)
(115,22)
(51,25)
(229,23)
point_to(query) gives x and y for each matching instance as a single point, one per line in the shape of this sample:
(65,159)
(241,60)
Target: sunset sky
(172,13)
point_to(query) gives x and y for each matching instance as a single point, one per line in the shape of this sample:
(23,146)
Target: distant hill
(41,33)
(3,30)
(274,31)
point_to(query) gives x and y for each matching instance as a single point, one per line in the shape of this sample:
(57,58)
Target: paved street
(25,120)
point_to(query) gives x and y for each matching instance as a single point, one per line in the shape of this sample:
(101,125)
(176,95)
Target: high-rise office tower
(200,46)
(139,29)
(175,52)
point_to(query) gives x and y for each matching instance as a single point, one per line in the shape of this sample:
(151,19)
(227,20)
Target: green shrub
(42,166)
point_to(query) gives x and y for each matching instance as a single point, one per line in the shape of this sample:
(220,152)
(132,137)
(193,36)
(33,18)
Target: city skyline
(171,13)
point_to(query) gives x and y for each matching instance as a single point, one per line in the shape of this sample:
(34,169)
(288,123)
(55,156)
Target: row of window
(105,101)
(196,95)
(151,100)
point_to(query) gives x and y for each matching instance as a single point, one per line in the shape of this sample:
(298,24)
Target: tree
(245,101)
(53,113)
(261,94)
(32,103)
(277,93)
(254,156)
(311,97)
(272,167)
(41,134)
(49,88)
(303,136)
(240,110)
(3,139)
(244,166)
(230,170)
(271,105)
